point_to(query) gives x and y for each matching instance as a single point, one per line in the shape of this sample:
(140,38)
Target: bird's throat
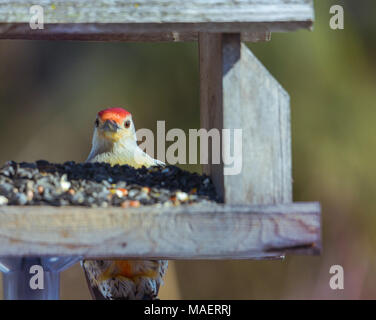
(123,152)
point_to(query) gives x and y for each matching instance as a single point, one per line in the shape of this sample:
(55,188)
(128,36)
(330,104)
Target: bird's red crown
(116,114)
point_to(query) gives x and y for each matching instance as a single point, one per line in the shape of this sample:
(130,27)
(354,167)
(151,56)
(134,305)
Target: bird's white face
(114,125)
(115,142)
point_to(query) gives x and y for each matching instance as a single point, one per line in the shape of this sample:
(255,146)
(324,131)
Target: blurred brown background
(51,91)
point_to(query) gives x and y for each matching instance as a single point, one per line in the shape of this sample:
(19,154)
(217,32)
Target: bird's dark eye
(96,123)
(127,123)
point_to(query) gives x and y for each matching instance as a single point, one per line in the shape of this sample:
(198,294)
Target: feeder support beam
(238,92)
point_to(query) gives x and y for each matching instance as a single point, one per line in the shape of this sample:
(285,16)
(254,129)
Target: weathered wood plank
(185,232)
(72,19)
(237,92)
(111,32)
(159,11)
(211,99)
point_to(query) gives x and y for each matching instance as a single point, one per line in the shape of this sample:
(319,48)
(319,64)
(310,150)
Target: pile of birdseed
(100,185)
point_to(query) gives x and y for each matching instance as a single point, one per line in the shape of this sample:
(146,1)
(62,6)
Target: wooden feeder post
(238,92)
(257,219)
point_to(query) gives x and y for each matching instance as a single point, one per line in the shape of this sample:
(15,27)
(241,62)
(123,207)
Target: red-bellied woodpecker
(115,142)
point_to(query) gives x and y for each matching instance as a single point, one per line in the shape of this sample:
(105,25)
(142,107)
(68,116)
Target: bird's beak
(110,126)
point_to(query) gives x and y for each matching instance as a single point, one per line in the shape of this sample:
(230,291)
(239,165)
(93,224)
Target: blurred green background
(50,93)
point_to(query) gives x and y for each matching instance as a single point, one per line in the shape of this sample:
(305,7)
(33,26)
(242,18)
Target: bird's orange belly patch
(125,268)
(128,269)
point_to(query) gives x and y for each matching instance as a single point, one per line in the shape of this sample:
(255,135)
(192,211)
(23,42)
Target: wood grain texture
(188,232)
(237,92)
(159,11)
(113,32)
(98,19)
(211,98)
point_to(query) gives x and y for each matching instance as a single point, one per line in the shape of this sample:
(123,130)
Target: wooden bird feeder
(258,218)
